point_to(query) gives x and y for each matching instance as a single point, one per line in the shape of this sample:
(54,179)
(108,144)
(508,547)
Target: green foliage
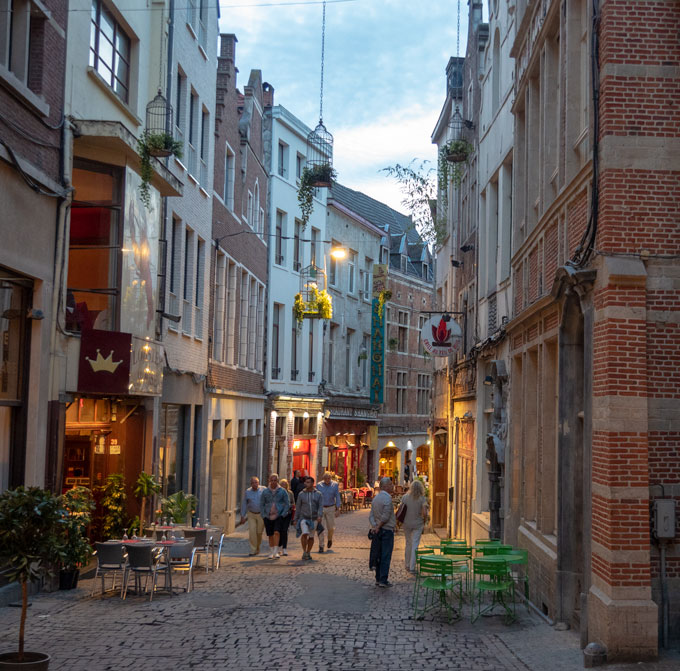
(179,506)
(146,486)
(79,504)
(384,296)
(153,144)
(31,539)
(312,177)
(134,526)
(361,478)
(420,189)
(427,489)
(114,503)
(392,344)
(451,160)
(319,306)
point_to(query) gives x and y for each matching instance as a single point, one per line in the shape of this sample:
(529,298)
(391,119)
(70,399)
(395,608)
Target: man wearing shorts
(308,513)
(274,505)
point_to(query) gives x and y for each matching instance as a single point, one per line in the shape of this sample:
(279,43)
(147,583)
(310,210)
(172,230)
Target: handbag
(401,513)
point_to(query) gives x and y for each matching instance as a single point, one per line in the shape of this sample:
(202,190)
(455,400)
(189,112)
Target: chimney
(267,94)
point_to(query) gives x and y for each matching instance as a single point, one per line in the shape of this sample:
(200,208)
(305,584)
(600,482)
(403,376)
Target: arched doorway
(388,463)
(423,462)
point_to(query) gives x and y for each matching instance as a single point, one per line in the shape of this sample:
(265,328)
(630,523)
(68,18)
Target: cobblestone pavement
(289,615)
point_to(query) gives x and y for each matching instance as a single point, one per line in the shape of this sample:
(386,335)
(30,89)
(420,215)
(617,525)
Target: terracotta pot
(159,153)
(457,157)
(33,661)
(320,184)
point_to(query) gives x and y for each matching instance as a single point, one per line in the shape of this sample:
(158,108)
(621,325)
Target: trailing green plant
(384,296)
(312,177)
(392,344)
(153,144)
(146,486)
(31,540)
(78,504)
(362,357)
(448,169)
(114,501)
(179,506)
(319,305)
(134,526)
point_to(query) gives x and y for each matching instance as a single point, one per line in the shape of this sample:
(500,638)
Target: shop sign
(359,413)
(146,367)
(377,351)
(104,365)
(379,279)
(441,337)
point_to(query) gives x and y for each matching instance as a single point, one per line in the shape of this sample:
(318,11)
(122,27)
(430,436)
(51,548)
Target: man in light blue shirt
(330,495)
(252,513)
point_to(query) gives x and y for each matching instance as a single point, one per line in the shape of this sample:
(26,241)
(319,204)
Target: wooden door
(440,485)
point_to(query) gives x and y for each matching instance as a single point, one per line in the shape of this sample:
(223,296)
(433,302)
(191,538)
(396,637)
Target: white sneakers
(284,552)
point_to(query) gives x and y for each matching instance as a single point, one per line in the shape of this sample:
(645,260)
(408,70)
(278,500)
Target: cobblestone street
(257,614)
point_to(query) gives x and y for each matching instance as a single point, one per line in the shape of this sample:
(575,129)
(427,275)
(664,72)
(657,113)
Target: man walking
(330,495)
(383,522)
(297,484)
(251,513)
(308,513)
(274,505)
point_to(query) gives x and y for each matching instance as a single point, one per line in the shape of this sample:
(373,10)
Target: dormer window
(403,263)
(426,271)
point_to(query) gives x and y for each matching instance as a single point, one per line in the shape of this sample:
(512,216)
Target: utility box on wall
(664,518)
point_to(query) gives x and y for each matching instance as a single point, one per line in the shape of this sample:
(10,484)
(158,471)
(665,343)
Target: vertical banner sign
(378,332)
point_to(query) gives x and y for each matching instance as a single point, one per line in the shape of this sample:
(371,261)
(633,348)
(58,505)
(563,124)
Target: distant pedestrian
(297,484)
(414,521)
(407,472)
(285,525)
(383,522)
(330,494)
(275,505)
(308,513)
(251,513)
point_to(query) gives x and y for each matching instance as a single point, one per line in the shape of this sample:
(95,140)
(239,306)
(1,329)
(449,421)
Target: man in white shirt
(252,513)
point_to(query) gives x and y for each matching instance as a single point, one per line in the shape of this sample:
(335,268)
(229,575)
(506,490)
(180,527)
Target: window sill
(581,137)
(109,92)
(203,53)
(180,164)
(18,88)
(191,30)
(193,179)
(204,192)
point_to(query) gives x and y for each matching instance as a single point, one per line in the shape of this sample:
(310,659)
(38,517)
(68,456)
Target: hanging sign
(377,352)
(441,337)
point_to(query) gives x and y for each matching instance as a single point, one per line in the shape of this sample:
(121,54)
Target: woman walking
(414,521)
(274,505)
(285,523)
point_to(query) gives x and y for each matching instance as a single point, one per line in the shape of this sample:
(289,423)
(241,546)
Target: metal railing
(311,375)
(294,374)
(276,372)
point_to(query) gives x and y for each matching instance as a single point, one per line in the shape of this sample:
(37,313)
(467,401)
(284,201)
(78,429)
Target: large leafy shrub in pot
(146,486)
(32,524)
(78,504)
(179,507)
(114,502)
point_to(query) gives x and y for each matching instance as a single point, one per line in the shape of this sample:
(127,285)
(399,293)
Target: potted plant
(114,504)
(179,507)
(319,305)
(79,504)
(313,177)
(146,487)
(392,344)
(157,145)
(31,542)
(457,151)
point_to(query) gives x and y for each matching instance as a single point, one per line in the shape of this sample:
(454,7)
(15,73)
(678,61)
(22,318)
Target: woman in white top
(416,513)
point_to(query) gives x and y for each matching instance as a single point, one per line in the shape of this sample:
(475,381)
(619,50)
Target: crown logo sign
(101,364)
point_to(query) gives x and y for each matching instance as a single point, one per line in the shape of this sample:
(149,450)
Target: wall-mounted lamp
(338,252)
(467,248)
(488,380)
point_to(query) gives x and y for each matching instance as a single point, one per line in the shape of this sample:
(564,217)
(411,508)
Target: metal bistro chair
(420,552)
(143,560)
(461,556)
(181,557)
(518,566)
(219,551)
(491,577)
(203,545)
(110,560)
(439,582)
(492,549)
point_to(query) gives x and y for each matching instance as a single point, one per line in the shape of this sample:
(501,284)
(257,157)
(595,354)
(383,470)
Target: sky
(384,74)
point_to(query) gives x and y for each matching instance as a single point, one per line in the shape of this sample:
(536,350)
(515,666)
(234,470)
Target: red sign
(441,336)
(104,366)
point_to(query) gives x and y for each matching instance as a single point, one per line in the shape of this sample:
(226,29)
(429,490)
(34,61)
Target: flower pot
(68,578)
(457,157)
(319,184)
(33,661)
(159,153)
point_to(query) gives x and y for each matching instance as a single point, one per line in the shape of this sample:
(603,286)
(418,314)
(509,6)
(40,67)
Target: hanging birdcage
(313,301)
(320,156)
(159,126)
(459,147)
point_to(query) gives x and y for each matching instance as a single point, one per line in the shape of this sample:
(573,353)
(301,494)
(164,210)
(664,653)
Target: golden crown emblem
(102,364)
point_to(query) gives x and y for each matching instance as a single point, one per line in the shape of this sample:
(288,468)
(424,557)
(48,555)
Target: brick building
(34,197)
(594,421)
(238,296)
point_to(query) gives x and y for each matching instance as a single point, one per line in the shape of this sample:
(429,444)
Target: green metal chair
(518,566)
(420,552)
(491,577)
(495,549)
(439,582)
(461,556)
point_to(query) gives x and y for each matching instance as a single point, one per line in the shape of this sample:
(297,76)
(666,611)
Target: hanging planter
(457,151)
(318,306)
(153,145)
(313,177)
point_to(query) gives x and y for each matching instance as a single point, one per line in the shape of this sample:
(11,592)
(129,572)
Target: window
(231,313)
(364,354)
(259,356)
(276,329)
(198,289)
(249,210)
(193,134)
(94,246)
(402,262)
(423,395)
(219,311)
(243,320)
(311,374)
(331,354)
(368,278)
(333,268)
(297,263)
(348,357)
(351,270)
(256,208)
(280,226)
(299,165)
(294,370)
(402,332)
(401,392)
(109,50)
(180,111)
(175,251)
(229,163)
(421,323)
(313,246)
(205,146)
(252,324)
(283,160)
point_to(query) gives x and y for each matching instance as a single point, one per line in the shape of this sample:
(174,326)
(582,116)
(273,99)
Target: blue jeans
(386,547)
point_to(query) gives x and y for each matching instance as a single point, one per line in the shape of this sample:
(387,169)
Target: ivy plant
(312,177)
(154,144)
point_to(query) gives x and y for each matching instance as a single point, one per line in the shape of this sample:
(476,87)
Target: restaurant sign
(441,335)
(377,352)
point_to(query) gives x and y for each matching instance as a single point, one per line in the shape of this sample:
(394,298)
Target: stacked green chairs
(438,582)
(491,577)
(461,556)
